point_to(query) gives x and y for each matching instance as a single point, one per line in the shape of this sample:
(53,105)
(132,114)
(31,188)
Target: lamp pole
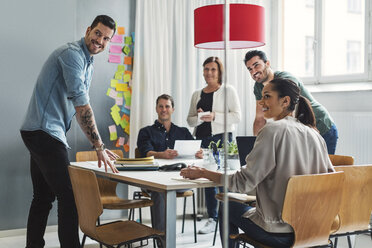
(225,198)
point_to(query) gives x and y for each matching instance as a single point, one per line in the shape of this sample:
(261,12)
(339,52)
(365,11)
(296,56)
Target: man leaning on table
(158,140)
(61,91)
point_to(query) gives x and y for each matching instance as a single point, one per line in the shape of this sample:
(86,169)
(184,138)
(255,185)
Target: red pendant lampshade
(247,22)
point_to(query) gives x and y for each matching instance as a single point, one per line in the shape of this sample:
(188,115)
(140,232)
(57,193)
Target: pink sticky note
(114,58)
(119,101)
(115,49)
(112,129)
(117,39)
(113,94)
(121,141)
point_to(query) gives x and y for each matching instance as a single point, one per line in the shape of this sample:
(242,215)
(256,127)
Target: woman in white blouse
(287,146)
(210,127)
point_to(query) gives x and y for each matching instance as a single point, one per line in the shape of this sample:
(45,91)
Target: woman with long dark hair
(288,145)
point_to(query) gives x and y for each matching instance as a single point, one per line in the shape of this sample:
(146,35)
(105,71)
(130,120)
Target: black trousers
(50,180)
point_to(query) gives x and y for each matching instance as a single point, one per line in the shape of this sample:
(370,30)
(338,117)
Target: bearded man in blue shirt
(61,91)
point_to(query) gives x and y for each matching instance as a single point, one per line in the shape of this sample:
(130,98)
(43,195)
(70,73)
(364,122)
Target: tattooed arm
(85,118)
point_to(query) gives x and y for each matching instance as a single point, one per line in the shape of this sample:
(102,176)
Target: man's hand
(199,154)
(105,156)
(169,154)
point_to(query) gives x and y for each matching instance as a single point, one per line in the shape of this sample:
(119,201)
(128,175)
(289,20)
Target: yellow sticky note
(120,68)
(126,50)
(120,94)
(118,75)
(126,78)
(121,30)
(108,92)
(128,40)
(113,83)
(116,117)
(128,98)
(115,108)
(113,136)
(127,129)
(124,123)
(121,87)
(127,60)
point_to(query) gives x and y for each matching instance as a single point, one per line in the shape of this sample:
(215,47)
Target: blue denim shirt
(63,84)
(156,138)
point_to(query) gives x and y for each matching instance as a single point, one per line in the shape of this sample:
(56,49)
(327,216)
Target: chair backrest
(311,205)
(107,187)
(92,155)
(137,153)
(356,205)
(87,199)
(337,160)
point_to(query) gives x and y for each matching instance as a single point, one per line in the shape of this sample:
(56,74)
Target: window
(325,43)
(353,56)
(309,55)
(354,6)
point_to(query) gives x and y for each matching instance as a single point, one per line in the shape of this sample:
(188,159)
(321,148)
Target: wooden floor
(185,240)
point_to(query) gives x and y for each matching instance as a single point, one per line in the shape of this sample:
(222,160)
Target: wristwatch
(100,148)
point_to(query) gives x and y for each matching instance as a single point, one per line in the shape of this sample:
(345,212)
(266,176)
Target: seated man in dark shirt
(158,141)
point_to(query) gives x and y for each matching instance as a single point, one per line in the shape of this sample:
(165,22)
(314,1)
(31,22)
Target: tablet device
(245,146)
(187,148)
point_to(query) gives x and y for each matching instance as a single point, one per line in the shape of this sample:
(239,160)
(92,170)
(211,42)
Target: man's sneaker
(209,227)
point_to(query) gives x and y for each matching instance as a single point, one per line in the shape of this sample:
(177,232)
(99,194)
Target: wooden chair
(337,160)
(236,197)
(107,189)
(356,205)
(310,206)
(89,207)
(188,193)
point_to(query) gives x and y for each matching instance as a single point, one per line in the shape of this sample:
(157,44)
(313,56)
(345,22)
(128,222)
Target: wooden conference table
(157,181)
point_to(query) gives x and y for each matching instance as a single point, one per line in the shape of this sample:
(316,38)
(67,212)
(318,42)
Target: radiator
(355,135)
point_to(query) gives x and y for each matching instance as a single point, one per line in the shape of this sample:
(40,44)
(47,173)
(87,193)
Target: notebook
(245,146)
(147,163)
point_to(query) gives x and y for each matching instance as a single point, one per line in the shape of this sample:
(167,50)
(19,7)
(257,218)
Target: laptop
(245,146)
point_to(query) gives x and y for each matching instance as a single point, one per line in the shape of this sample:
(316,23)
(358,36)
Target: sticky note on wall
(121,30)
(114,58)
(117,39)
(115,49)
(127,60)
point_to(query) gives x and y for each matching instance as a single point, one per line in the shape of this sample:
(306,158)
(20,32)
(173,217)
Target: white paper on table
(200,114)
(187,148)
(199,180)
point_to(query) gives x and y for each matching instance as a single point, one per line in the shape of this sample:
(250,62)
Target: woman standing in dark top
(210,126)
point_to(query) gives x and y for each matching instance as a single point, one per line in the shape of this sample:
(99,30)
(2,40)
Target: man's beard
(264,72)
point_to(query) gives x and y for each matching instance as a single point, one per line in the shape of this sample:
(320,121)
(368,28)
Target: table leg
(170,219)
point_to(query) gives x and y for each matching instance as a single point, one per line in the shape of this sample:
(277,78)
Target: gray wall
(31,30)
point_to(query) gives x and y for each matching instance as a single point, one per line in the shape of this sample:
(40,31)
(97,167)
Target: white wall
(31,30)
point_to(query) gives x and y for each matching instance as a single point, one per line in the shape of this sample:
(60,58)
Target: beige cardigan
(282,149)
(233,105)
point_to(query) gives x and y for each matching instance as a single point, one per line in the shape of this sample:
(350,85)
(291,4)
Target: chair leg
(215,229)
(99,223)
(130,214)
(336,241)
(349,241)
(193,206)
(183,216)
(83,241)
